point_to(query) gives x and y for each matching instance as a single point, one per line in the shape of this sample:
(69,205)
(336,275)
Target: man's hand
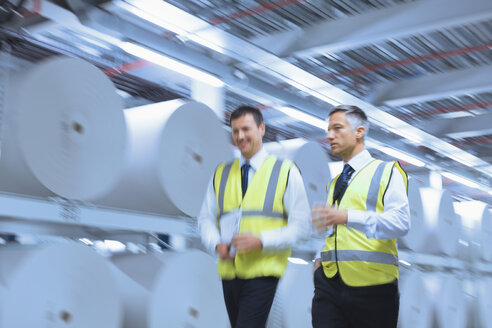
(223,250)
(317,264)
(325,216)
(246,242)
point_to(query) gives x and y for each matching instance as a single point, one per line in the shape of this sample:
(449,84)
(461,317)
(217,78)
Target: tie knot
(347,170)
(245,166)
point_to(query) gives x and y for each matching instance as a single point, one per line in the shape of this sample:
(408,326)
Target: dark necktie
(244,177)
(342,183)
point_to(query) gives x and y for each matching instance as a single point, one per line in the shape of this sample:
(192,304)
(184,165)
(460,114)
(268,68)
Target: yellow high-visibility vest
(362,261)
(262,209)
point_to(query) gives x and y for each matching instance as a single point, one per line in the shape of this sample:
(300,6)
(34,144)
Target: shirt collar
(256,161)
(360,160)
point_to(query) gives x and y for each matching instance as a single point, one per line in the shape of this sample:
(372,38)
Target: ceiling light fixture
(461,180)
(301,116)
(407,135)
(296,260)
(400,155)
(171,64)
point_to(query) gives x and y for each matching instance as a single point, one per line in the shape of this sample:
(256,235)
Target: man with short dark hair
(356,274)
(264,197)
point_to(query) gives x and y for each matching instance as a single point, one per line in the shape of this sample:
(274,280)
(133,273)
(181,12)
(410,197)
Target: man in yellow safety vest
(255,209)
(356,274)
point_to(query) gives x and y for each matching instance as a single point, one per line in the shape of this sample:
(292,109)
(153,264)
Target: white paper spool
(448,298)
(485,302)
(477,228)
(174,148)
(291,307)
(59,285)
(63,131)
(311,160)
(472,303)
(416,307)
(437,230)
(172,289)
(413,239)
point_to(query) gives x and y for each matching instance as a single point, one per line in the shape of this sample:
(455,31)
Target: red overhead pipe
(126,67)
(36,9)
(396,63)
(446,110)
(480,141)
(253,11)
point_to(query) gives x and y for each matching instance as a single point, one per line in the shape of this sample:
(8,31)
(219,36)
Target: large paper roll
(60,285)
(437,230)
(63,131)
(476,228)
(291,307)
(413,239)
(485,302)
(174,148)
(448,298)
(416,306)
(172,289)
(311,160)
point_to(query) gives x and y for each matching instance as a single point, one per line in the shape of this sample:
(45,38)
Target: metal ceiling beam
(434,86)
(462,127)
(375,26)
(99,20)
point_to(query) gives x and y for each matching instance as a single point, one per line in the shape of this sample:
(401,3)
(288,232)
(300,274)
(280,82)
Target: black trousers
(248,301)
(337,305)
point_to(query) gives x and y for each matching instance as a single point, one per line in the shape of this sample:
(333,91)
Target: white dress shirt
(295,203)
(394,222)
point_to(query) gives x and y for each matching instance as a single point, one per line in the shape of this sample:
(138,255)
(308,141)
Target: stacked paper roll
(311,160)
(291,307)
(59,285)
(63,131)
(174,148)
(476,228)
(416,306)
(437,230)
(448,298)
(471,286)
(172,289)
(413,239)
(485,302)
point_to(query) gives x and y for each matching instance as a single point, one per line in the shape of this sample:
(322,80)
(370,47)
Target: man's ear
(360,132)
(262,128)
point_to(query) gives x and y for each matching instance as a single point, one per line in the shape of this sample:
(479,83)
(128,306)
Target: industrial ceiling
(420,69)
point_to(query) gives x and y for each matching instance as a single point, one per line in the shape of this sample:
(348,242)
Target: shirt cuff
(356,219)
(267,240)
(212,244)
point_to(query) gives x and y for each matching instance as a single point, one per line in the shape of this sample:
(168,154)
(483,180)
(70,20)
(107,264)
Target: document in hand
(229,227)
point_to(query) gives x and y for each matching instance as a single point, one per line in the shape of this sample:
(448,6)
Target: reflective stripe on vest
(372,193)
(261,210)
(366,256)
(269,196)
(362,261)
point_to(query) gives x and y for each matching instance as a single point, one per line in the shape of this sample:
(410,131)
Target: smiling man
(356,274)
(263,201)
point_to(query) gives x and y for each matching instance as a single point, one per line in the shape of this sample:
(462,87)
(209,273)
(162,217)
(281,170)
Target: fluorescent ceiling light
(301,116)
(407,135)
(461,160)
(460,179)
(399,155)
(171,64)
(404,262)
(150,11)
(86,241)
(297,260)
